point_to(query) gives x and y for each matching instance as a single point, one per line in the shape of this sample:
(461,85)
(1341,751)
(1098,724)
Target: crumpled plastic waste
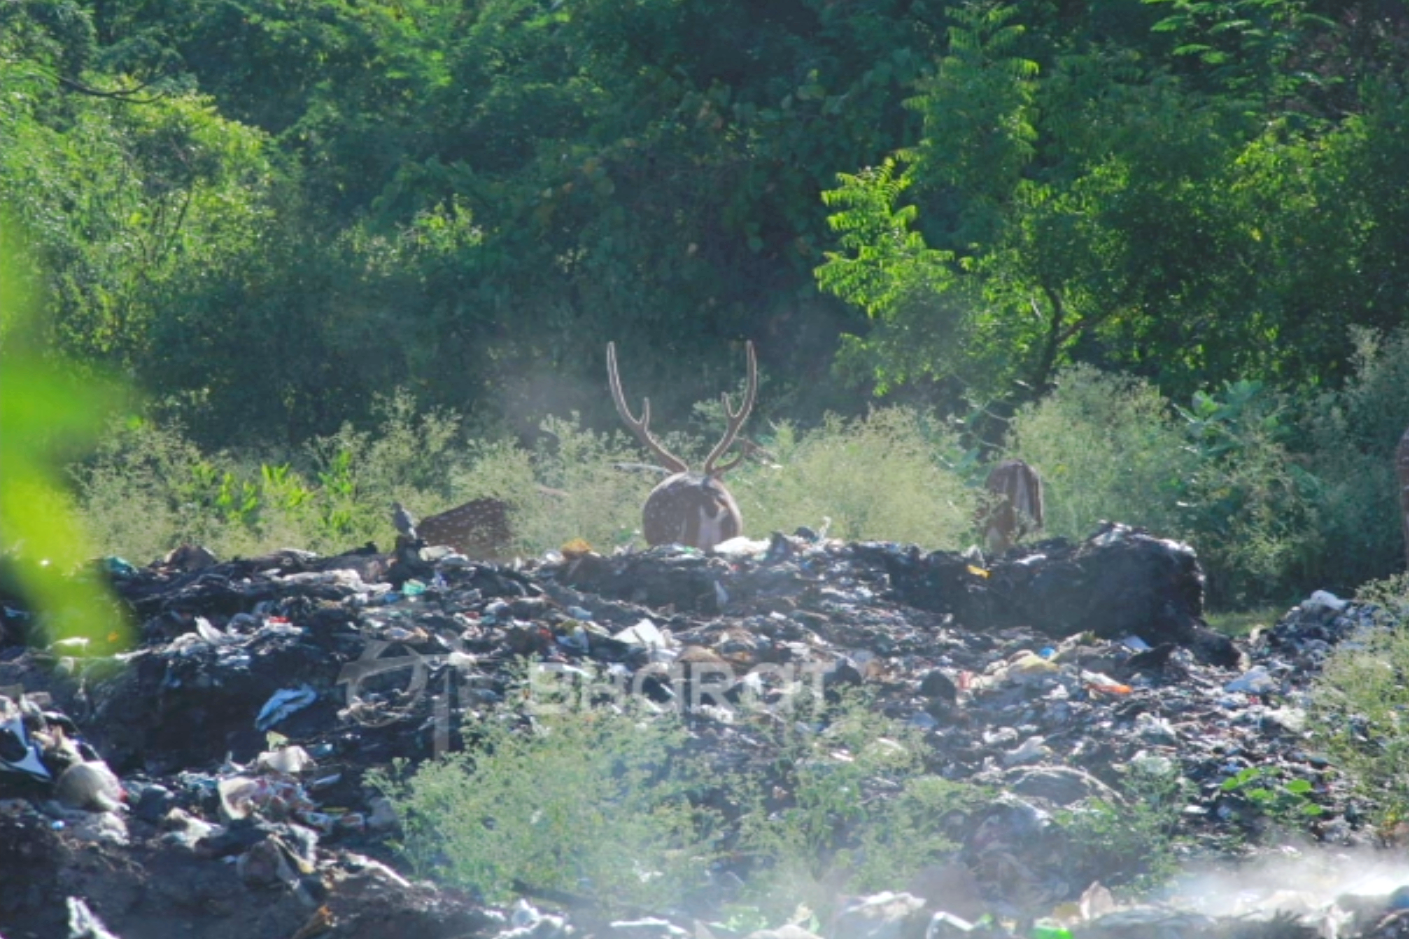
(119,567)
(282,704)
(1256,680)
(291,761)
(17,753)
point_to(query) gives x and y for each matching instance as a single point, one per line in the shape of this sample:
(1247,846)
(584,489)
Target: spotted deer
(1401,470)
(688,507)
(478,529)
(1014,506)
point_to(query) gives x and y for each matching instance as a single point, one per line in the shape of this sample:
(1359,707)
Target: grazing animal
(478,529)
(1401,467)
(1014,506)
(404,521)
(688,507)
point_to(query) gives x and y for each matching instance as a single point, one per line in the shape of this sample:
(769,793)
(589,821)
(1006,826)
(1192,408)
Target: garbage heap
(211,780)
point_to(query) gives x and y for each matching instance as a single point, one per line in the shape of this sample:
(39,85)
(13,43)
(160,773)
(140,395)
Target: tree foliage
(1191,214)
(270,211)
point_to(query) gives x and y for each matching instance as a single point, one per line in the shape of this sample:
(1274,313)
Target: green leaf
(49,413)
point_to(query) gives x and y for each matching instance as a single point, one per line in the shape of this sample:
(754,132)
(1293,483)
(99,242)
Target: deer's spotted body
(478,529)
(692,509)
(688,507)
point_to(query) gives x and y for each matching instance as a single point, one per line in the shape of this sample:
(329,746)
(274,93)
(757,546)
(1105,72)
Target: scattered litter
(1051,677)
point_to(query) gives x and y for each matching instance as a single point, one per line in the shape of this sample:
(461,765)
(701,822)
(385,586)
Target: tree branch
(120,94)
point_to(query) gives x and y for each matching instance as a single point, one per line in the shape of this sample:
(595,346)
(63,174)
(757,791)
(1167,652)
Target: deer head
(688,507)
(1014,506)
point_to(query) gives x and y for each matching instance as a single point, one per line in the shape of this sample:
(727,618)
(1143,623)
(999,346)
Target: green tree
(1073,198)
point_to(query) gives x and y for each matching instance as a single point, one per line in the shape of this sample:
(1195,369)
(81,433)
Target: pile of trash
(212,780)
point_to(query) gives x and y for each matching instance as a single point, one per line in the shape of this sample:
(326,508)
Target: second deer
(479,529)
(1014,506)
(689,507)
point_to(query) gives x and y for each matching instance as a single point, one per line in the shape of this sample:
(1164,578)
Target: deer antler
(747,448)
(667,459)
(736,419)
(688,508)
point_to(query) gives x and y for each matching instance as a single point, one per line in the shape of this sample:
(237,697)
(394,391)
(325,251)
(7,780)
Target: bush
(1351,439)
(587,496)
(1107,447)
(1247,504)
(587,802)
(129,491)
(611,804)
(1217,474)
(1129,841)
(409,452)
(149,487)
(1267,523)
(1360,702)
(878,477)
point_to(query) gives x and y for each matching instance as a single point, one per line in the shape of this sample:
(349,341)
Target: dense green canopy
(267,211)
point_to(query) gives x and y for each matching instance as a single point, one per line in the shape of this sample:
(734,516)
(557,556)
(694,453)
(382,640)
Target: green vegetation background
(353,251)
(350,251)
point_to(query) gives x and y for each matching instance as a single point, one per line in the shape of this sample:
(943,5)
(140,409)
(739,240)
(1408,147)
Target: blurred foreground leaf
(50,412)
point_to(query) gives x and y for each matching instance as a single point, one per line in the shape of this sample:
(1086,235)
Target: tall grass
(564,489)
(1360,700)
(1279,495)
(1351,437)
(149,488)
(614,804)
(861,813)
(597,804)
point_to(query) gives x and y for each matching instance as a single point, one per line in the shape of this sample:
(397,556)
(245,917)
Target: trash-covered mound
(211,781)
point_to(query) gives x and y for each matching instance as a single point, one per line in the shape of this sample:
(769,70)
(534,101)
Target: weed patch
(1360,702)
(858,811)
(1129,841)
(612,804)
(591,803)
